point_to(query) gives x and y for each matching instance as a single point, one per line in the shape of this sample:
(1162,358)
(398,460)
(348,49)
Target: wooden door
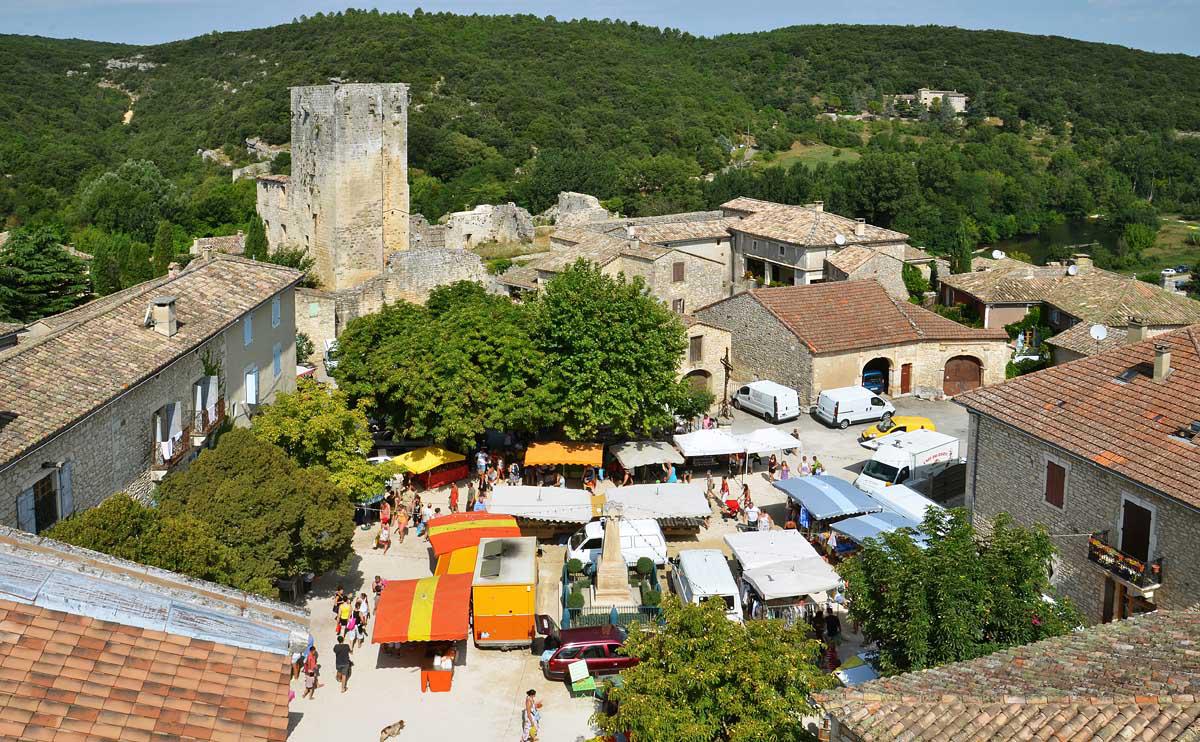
(906,378)
(963,373)
(1135,531)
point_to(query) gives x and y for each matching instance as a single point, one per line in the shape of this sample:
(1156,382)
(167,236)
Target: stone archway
(963,373)
(877,375)
(699,379)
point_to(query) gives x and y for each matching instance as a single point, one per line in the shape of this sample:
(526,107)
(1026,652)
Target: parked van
(775,402)
(698,575)
(852,404)
(639,538)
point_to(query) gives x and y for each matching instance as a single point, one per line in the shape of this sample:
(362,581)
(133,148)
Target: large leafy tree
(38,277)
(449,371)
(279,519)
(132,199)
(963,595)
(616,352)
(701,676)
(122,527)
(316,426)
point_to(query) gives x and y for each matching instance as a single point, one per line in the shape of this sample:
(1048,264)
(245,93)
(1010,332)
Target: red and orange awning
(462,530)
(430,609)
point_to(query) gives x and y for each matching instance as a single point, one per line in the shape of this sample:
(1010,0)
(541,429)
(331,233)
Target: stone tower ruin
(346,202)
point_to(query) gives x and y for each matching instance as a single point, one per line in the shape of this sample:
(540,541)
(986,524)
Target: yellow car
(888,426)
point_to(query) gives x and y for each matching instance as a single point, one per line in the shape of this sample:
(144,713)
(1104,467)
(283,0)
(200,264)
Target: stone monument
(612,576)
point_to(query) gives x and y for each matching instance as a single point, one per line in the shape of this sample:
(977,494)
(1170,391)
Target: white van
(639,538)
(852,404)
(698,575)
(775,402)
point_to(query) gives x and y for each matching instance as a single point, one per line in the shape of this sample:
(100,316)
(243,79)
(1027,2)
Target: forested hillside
(518,108)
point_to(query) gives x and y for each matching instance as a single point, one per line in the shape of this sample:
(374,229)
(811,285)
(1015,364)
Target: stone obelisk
(612,576)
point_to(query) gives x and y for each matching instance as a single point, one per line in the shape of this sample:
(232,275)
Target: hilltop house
(830,335)
(113,395)
(1102,452)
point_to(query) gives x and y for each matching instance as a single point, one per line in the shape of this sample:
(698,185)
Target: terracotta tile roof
(1109,410)
(915,254)
(8,328)
(283,179)
(234,244)
(1132,679)
(520,276)
(1006,280)
(748,205)
(1078,339)
(617,227)
(850,259)
(848,315)
(801,225)
(601,249)
(677,231)
(95,352)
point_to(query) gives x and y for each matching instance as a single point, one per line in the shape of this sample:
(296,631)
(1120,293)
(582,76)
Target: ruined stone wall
(488,223)
(574,209)
(272,205)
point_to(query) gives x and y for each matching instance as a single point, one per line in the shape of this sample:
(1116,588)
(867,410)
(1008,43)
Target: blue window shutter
(26,518)
(66,496)
(248,328)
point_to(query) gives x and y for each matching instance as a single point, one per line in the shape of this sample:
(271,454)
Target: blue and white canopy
(827,497)
(860,528)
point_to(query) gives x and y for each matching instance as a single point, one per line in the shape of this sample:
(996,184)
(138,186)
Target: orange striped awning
(458,562)
(460,530)
(574,454)
(430,609)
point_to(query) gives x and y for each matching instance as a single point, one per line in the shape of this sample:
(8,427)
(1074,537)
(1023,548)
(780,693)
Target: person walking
(745,496)
(341,661)
(772,465)
(531,716)
(377,588)
(401,523)
(805,468)
(784,470)
(817,466)
(385,538)
(310,674)
(454,497)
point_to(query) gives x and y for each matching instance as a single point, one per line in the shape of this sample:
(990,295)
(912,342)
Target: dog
(391,730)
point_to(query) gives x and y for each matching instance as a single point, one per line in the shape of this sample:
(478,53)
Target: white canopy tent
(768,439)
(633,454)
(754,549)
(812,577)
(709,443)
(541,503)
(661,500)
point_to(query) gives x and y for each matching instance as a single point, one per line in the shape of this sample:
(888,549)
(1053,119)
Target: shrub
(645,565)
(575,600)
(574,566)
(583,583)
(650,596)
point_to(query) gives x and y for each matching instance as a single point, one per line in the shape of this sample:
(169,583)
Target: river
(1075,232)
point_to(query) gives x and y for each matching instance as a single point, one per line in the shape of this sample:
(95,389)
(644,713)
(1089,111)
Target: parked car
(639,538)
(598,645)
(1168,271)
(1183,269)
(775,402)
(870,437)
(852,404)
(874,380)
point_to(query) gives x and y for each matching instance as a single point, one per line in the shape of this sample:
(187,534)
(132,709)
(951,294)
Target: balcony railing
(166,457)
(1142,575)
(205,422)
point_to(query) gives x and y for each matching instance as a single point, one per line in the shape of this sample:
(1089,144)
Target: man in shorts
(341,661)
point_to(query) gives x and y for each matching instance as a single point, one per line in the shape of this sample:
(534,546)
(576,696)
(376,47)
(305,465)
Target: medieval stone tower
(346,202)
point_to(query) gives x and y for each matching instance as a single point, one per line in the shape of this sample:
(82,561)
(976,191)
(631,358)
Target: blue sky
(1155,25)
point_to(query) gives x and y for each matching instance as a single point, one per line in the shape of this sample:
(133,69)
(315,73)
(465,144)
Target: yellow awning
(553,454)
(426,459)
(458,562)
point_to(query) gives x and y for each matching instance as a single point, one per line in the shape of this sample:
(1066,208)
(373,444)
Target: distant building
(234,244)
(1109,446)
(113,395)
(952,98)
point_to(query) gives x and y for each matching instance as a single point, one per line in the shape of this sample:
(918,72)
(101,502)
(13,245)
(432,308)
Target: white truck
(641,537)
(911,459)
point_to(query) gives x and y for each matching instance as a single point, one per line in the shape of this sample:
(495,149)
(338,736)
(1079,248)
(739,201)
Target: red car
(598,645)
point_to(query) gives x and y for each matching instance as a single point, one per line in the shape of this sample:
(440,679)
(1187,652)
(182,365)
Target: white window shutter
(210,398)
(66,496)
(176,409)
(275,312)
(26,516)
(248,328)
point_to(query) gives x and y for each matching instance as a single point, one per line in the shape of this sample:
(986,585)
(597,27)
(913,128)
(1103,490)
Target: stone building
(574,209)
(708,344)
(114,395)
(487,223)
(956,100)
(1109,446)
(829,335)
(347,200)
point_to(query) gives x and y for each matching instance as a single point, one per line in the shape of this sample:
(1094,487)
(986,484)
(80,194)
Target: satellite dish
(840,239)
(998,255)
(1072,270)
(1098,332)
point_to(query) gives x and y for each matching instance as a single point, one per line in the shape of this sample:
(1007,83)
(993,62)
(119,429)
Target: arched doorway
(699,380)
(963,373)
(876,375)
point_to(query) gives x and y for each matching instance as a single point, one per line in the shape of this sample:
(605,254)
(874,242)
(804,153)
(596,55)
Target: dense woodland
(651,120)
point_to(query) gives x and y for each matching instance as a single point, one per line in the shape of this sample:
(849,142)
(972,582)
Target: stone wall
(886,267)
(762,348)
(574,209)
(1006,474)
(488,223)
(928,361)
(316,317)
(703,281)
(714,342)
(272,205)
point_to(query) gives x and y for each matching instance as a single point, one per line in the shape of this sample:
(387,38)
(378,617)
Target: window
(252,385)
(47,501)
(277,359)
(677,306)
(1056,480)
(313,309)
(677,271)
(782,251)
(248,329)
(568,653)
(275,312)
(755,243)
(594,652)
(695,348)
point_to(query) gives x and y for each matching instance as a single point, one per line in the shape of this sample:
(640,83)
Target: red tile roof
(1108,409)
(64,676)
(849,315)
(1132,679)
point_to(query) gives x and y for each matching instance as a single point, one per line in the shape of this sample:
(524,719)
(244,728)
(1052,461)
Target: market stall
(862,527)
(430,609)
(547,455)
(504,592)
(712,448)
(824,497)
(634,456)
(905,501)
(549,504)
(662,501)
(766,440)
(433,466)
(780,574)
(454,538)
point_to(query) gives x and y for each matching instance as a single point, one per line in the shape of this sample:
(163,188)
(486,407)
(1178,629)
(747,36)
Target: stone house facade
(1102,453)
(761,347)
(707,345)
(116,394)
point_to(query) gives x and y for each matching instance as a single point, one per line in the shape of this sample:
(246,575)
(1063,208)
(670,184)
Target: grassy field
(809,154)
(1172,248)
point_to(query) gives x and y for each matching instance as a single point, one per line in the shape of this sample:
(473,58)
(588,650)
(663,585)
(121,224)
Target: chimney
(1137,330)
(1082,259)
(860,227)
(173,270)
(818,205)
(162,316)
(1162,361)
(629,232)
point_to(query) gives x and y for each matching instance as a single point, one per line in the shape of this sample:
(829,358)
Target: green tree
(163,251)
(615,353)
(38,277)
(966,237)
(256,240)
(960,596)
(124,528)
(304,347)
(132,199)
(279,519)
(294,257)
(701,676)
(316,426)
(135,264)
(914,280)
(1137,238)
